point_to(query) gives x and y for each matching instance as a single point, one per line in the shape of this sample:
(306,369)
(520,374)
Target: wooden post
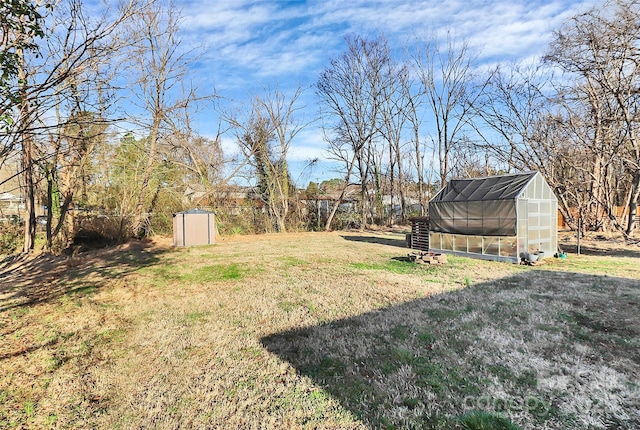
(579,228)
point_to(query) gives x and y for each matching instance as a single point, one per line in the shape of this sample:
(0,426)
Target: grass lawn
(317,330)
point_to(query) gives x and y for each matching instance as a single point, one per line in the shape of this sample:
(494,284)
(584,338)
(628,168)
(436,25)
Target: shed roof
(501,187)
(194,211)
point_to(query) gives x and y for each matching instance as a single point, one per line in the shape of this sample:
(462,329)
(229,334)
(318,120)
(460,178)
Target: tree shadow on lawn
(378,240)
(551,349)
(24,282)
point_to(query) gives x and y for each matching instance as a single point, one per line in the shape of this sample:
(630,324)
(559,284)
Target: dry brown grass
(315,330)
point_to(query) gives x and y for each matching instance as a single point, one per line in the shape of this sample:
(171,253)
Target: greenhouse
(506,218)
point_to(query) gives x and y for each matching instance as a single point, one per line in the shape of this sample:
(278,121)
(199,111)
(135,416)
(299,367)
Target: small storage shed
(194,227)
(505,217)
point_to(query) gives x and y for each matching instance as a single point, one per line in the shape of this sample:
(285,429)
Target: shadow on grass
(378,240)
(27,281)
(546,349)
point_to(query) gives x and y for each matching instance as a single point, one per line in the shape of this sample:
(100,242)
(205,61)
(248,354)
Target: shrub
(10,237)
(102,230)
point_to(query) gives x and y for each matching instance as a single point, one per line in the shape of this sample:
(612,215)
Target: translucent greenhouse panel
(475,244)
(547,193)
(530,191)
(447,242)
(460,243)
(545,233)
(533,241)
(491,246)
(508,247)
(539,187)
(523,211)
(435,240)
(523,245)
(523,228)
(545,207)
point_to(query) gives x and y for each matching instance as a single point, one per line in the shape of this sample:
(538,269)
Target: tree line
(97,111)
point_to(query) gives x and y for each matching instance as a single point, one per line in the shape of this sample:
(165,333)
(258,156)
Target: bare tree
(412,111)
(598,50)
(160,70)
(265,135)
(395,113)
(71,51)
(350,92)
(447,76)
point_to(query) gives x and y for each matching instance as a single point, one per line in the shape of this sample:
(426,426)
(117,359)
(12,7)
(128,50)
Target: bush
(102,230)
(347,219)
(10,236)
(162,223)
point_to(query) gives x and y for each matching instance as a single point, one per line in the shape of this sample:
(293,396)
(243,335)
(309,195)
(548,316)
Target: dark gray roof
(502,187)
(194,211)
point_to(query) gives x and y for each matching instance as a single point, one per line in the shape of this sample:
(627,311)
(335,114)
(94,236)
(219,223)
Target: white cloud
(250,44)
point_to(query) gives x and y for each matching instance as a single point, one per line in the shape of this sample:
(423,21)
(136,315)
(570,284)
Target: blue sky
(249,45)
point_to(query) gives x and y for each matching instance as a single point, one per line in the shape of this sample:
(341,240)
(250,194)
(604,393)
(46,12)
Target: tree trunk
(29,185)
(27,159)
(633,203)
(327,226)
(140,219)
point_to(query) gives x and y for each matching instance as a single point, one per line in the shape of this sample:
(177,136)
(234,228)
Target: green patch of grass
(293,261)
(83,290)
(526,379)
(50,420)
(176,274)
(166,273)
(501,371)
(445,314)
(195,317)
(400,332)
(431,375)
(326,368)
(56,361)
(411,402)
(17,313)
(29,408)
(392,266)
(480,420)
(598,265)
(426,339)
(391,359)
(220,272)
(287,306)
(112,335)
(582,320)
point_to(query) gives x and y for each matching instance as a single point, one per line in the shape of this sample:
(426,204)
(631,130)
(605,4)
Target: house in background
(11,206)
(505,218)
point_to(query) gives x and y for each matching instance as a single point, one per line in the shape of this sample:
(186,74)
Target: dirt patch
(613,245)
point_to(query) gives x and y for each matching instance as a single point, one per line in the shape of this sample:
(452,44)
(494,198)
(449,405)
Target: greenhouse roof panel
(503,187)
